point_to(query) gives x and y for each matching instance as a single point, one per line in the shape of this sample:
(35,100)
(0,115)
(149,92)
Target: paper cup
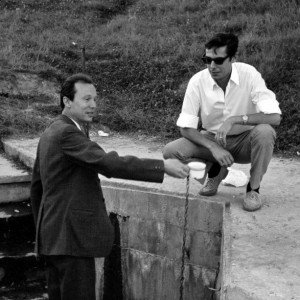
(197,169)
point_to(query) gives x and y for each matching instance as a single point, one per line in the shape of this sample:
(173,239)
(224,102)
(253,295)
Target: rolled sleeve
(187,120)
(263,98)
(189,116)
(268,106)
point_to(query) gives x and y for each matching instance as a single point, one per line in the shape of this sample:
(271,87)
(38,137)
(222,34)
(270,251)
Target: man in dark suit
(72,226)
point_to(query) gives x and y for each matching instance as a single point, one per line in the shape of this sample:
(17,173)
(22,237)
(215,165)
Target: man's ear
(66,101)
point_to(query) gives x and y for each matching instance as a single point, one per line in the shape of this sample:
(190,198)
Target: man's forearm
(221,155)
(197,138)
(255,119)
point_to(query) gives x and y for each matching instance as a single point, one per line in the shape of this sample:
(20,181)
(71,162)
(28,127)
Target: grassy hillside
(141,53)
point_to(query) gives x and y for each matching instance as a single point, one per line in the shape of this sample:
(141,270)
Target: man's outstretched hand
(176,168)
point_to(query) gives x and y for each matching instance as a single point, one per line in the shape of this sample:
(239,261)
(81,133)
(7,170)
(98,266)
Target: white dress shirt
(246,93)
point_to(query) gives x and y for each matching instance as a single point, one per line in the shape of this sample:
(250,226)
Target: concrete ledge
(22,150)
(14,182)
(224,274)
(10,173)
(14,192)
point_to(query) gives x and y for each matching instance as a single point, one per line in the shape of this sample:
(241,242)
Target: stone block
(195,284)
(124,231)
(157,206)
(153,277)
(131,202)
(14,192)
(156,237)
(24,151)
(175,210)
(197,281)
(170,279)
(173,241)
(11,173)
(112,200)
(17,229)
(202,215)
(142,276)
(205,215)
(204,248)
(138,231)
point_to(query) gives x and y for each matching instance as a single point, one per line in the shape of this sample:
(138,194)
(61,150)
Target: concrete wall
(149,232)
(14,192)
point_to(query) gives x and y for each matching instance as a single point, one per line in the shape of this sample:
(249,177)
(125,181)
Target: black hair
(68,87)
(224,39)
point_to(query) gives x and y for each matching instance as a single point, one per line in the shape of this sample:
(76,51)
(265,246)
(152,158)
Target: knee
(169,151)
(264,133)
(181,149)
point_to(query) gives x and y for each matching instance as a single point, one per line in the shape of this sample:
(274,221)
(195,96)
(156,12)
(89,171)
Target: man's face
(83,106)
(219,72)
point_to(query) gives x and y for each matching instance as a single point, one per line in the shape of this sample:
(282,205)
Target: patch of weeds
(16,117)
(53,110)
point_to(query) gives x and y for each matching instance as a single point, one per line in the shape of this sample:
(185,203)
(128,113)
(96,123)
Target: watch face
(245,118)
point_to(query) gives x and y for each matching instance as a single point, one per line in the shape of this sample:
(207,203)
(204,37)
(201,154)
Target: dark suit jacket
(66,195)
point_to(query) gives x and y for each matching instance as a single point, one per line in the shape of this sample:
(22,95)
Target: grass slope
(142,53)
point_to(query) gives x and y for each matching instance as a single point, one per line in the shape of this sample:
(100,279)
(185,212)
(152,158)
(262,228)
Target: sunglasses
(218,60)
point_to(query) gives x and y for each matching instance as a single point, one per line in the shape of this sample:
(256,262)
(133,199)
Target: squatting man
(72,226)
(236,110)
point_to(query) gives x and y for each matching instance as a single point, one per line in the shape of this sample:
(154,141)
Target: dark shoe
(212,184)
(252,202)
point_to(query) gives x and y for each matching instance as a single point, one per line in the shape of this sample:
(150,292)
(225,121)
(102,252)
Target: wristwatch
(245,119)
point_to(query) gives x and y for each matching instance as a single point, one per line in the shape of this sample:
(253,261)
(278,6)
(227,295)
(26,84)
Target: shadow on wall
(112,266)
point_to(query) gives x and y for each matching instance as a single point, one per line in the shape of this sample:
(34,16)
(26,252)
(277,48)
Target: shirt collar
(233,77)
(77,125)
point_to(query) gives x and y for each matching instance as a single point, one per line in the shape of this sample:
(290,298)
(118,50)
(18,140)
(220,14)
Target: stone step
(19,266)
(15,271)
(29,291)
(17,229)
(14,181)
(21,274)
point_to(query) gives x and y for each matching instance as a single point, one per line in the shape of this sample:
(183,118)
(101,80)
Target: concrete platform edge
(224,276)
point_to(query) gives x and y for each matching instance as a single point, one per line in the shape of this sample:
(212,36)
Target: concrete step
(14,181)
(22,275)
(18,263)
(30,291)
(17,271)
(17,229)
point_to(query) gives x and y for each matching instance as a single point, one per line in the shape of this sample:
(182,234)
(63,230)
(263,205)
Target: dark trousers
(71,278)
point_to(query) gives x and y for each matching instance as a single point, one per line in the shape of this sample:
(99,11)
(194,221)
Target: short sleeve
(262,97)
(189,116)
(187,120)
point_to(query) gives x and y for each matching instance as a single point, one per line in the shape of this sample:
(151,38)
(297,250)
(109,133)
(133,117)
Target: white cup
(197,169)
